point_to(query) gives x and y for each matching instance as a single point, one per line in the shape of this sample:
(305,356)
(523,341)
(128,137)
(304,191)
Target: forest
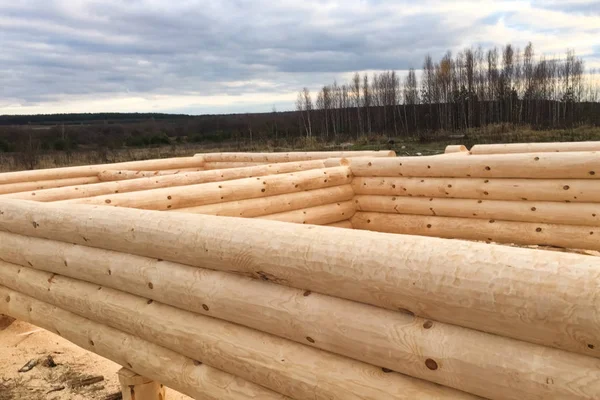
(501,89)
(473,89)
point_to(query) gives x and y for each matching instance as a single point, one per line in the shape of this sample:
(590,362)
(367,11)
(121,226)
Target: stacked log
(221,192)
(288,157)
(530,198)
(535,147)
(285,334)
(171,180)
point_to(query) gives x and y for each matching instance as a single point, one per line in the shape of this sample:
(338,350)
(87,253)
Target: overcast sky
(225,56)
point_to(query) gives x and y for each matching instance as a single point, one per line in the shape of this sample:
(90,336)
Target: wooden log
(221,192)
(563,190)
(529,233)
(251,208)
(549,212)
(183,374)
(305,372)
(226,165)
(342,224)
(319,215)
(39,185)
(134,386)
(292,156)
(123,175)
(186,178)
(354,264)
(473,361)
(576,165)
(456,149)
(512,148)
(93,170)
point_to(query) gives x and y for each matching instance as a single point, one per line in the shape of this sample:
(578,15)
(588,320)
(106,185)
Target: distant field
(412,146)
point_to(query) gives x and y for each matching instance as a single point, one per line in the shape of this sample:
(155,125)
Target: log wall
(550,199)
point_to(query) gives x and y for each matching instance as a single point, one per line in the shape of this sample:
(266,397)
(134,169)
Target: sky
(234,56)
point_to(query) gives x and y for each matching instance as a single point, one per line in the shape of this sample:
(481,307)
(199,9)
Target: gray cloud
(53,49)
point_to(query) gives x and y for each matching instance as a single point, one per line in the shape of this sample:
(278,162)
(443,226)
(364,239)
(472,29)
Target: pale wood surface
(526,211)
(535,147)
(137,387)
(456,149)
(489,365)
(281,365)
(250,208)
(155,182)
(576,165)
(497,289)
(563,190)
(292,156)
(174,370)
(529,233)
(220,192)
(225,165)
(93,170)
(318,215)
(19,187)
(123,174)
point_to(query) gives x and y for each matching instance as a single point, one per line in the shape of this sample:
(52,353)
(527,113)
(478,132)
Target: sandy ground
(21,342)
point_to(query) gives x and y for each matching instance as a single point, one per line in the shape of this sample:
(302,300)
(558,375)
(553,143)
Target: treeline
(473,89)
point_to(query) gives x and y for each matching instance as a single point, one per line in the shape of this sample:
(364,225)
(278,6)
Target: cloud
(231,55)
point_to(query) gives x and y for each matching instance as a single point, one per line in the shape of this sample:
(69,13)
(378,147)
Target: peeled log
(563,190)
(489,365)
(525,211)
(530,233)
(275,204)
(305,372)
(123,175)
(220,192)
(576,165)
(456,149)
(389,271)
(183,179)
(92,170)
(535,147)
(319,215)
(293,156)
(38,185)
(181,373)
(342,224)
(225,165)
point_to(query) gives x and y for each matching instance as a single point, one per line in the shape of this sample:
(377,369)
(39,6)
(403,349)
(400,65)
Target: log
(123,175)
(92,170)
(278,364)
(181,373)
(576,165)
(356,265)
(136,386)
(527,233)
(456,149)
(342,224)
(549,212)
(38,185)
(275,204)
(186,178)
(221,192)
(512,148)
(473,361)
(563,190)
(288,157)
(225,165)
(319,215)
